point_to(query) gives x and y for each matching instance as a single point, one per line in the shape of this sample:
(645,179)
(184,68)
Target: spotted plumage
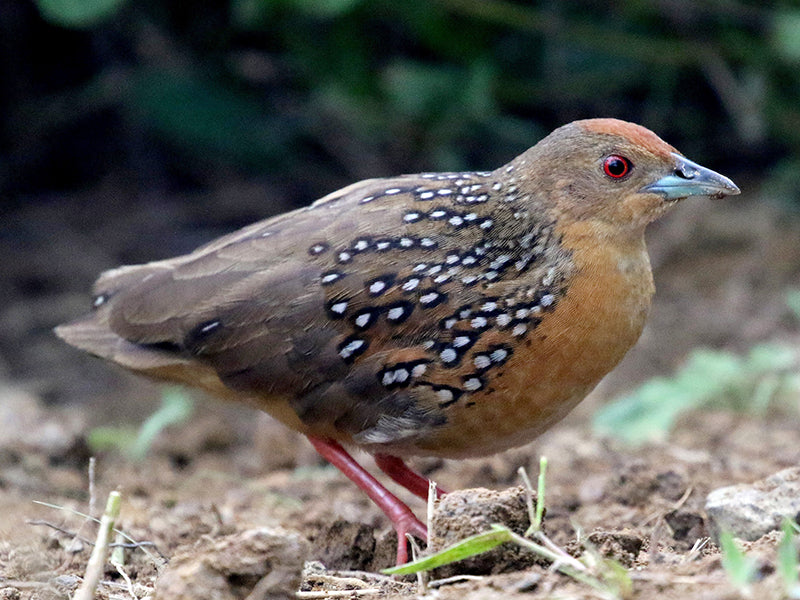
(428,277)
(448,314)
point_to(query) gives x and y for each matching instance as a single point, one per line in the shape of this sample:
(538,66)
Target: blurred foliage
(740,568)
(793,300)
(322,92)
(767,377)
(79,13)
(135,442)
(787,562)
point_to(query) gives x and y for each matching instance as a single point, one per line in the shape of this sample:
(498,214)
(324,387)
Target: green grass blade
(739,568)
(176,407)
(787,560)
(466,548)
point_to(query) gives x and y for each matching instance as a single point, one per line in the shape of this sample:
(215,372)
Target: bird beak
(690,179)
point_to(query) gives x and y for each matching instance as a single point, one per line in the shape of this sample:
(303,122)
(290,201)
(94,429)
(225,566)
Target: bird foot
(399,514)
(405,524)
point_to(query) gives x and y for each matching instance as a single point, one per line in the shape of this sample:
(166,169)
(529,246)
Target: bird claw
(406,525)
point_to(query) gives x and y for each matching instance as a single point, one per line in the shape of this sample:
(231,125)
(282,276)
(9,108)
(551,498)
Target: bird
(451,315)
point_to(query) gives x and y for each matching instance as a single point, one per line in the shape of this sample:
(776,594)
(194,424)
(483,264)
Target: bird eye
(616,166)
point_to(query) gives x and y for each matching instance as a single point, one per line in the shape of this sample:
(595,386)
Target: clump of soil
(213,519)
(464,513)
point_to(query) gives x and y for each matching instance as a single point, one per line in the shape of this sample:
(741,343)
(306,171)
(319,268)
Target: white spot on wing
(448,355)
(209,327)
(503,320)
(444,395)
(350,348)
(461,340)
(482,362)
(499,355)
(472,384)
(395,313)
(479,322)
(411,284)
(339,308)
(429,297)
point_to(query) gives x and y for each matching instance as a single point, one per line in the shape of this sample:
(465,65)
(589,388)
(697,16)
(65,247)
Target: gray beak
(690,179)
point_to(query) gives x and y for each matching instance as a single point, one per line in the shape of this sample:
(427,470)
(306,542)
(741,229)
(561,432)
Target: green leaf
(78,14)
(471,546)
(709,377)
(786,34)
(646,414)
(787,560)
(324,9)
(210,118)
(793,300)
(617,578)
(769,358)
(176,407)
(255,13)
(419,90)
(121,438)
(740,568)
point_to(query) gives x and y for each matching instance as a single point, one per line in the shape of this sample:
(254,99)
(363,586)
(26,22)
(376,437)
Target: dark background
(132,131)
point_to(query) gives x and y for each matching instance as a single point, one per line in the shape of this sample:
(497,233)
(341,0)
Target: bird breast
(600,317)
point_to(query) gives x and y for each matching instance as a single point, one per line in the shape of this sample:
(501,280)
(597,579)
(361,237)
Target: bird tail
(91,334)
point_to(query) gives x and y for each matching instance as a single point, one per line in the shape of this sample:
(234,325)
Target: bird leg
(399,514)
(415,483)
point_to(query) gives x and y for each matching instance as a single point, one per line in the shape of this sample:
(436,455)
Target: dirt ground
(229,496)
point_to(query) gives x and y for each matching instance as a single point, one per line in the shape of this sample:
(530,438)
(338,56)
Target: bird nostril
(686,172)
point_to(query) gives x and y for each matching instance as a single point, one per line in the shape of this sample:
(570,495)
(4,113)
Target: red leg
(415,483)
(399,514)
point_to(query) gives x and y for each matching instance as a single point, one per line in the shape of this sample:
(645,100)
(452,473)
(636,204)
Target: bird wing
(362,312)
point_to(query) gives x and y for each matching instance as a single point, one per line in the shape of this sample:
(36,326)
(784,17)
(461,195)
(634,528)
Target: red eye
(616,166)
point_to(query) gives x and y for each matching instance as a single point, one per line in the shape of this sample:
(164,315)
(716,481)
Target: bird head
(615,173)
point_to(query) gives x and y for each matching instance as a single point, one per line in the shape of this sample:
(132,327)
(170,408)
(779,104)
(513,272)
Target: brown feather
(450,314)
